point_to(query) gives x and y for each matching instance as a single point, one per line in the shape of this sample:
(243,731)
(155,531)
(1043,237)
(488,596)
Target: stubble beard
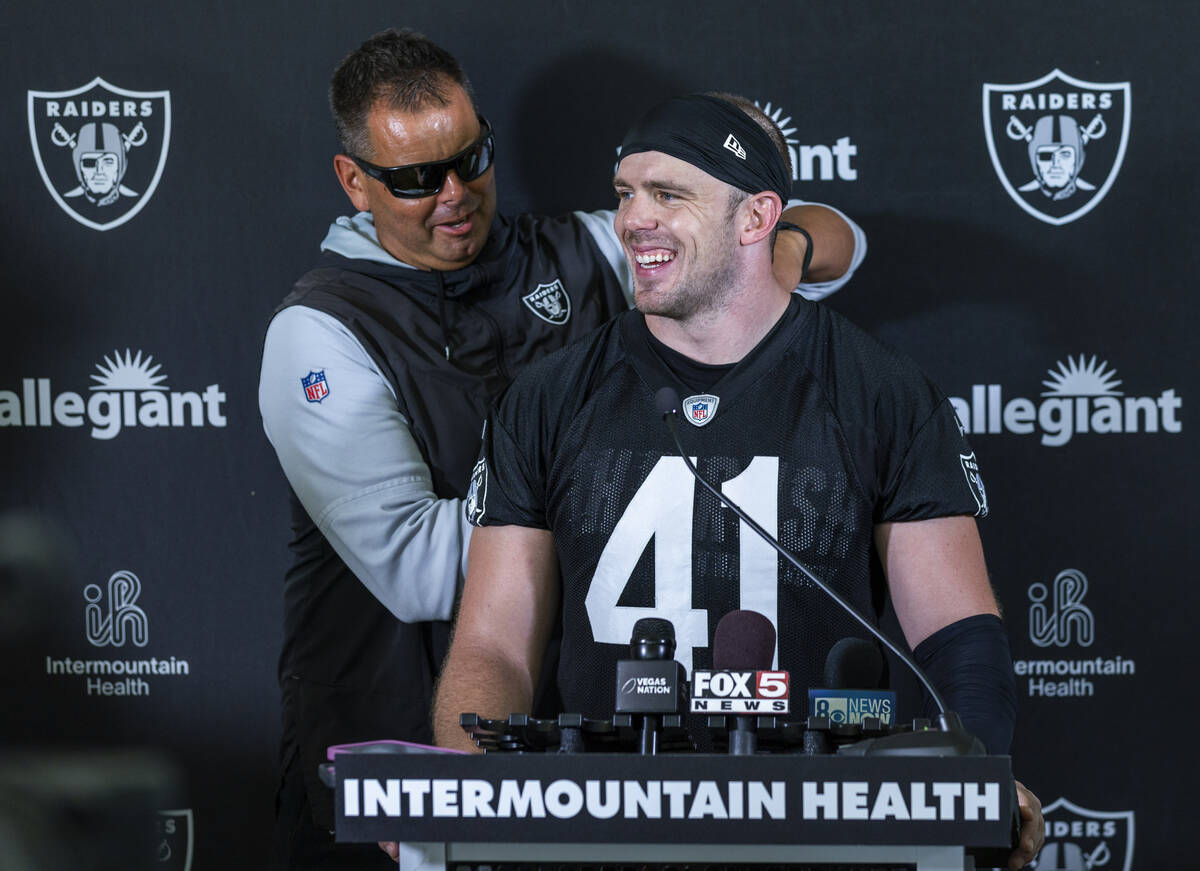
(692,297)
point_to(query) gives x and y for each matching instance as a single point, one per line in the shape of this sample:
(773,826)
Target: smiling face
(443,231)
(675,224)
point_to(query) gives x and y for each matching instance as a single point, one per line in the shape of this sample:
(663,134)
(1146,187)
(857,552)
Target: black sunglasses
(426,179)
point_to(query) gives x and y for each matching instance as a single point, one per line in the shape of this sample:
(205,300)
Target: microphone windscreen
(652,629)
(744,641)
(666,401)
(853,664)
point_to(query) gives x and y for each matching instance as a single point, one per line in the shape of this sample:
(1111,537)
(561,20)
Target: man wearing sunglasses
(377,373)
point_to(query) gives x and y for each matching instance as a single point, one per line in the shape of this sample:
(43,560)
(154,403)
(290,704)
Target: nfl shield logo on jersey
(315,386)
(549,302)
(700,409)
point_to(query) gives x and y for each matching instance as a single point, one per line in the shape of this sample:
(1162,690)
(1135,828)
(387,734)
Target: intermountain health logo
(1059,620)
(130,391)
(1081,397)
(113,618)
(1057,143)
(120,619)
(809,162)
(100,149)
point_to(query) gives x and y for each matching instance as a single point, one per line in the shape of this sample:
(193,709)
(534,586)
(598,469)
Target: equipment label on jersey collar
(701,408)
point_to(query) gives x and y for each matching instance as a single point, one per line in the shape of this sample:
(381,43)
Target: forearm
(832,249)
(970,664)
(405,545)
(508,606)
(475,680)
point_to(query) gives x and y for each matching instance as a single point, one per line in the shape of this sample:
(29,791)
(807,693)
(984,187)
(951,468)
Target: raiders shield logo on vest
(100,149)
(549,302)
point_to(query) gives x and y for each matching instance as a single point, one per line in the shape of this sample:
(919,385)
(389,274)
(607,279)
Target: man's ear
(353,181)
(758,216)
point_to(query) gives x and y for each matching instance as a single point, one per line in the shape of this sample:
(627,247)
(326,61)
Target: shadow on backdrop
(578,109)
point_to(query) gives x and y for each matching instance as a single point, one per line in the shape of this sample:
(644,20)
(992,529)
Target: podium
(622,810)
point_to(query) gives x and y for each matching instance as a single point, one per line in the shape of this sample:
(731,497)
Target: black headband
(715,136)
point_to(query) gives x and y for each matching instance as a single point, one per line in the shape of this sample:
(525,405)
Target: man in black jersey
(831,441)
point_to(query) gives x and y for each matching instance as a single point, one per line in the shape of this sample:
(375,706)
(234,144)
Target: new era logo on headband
(736,147)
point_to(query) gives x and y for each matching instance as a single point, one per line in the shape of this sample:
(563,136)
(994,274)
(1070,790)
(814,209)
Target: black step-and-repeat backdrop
(1026,175)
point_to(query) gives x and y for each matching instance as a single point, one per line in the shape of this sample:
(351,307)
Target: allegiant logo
(1081,397)
(129,392)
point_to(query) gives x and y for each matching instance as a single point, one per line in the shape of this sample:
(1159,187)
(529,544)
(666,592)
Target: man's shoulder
(570,372)
(530,228)
(861,375)
(337,279)
(842,346)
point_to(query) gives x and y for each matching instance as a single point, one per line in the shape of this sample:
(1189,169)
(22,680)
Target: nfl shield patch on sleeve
(316,386)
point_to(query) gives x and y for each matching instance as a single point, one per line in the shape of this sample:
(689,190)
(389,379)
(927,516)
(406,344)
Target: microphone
(950,738)
(742,682)
(652,638)
(853,672)
(853,663)
(744,640)
(648,683)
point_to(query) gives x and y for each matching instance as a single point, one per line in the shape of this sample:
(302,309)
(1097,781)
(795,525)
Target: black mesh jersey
(819,433)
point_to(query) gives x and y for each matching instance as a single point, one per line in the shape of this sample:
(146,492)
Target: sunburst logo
(813,161)
(128,373)
(782,123)
(1080,378)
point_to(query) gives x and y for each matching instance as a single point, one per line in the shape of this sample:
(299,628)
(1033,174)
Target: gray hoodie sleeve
(352,461)
(600,225)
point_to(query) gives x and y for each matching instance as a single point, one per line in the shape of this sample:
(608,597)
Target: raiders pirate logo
(100,149)
(476,503)
(970,468)
(173,851)
(700,409)
(1057,143)
(1078,839)
(549,302)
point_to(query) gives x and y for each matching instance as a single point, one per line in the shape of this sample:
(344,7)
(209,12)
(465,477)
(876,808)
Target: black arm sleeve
(970,663)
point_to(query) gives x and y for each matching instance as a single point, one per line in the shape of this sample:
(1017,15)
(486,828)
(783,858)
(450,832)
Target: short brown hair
(405,68)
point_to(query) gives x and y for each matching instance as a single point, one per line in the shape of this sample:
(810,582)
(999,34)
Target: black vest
(349,670)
